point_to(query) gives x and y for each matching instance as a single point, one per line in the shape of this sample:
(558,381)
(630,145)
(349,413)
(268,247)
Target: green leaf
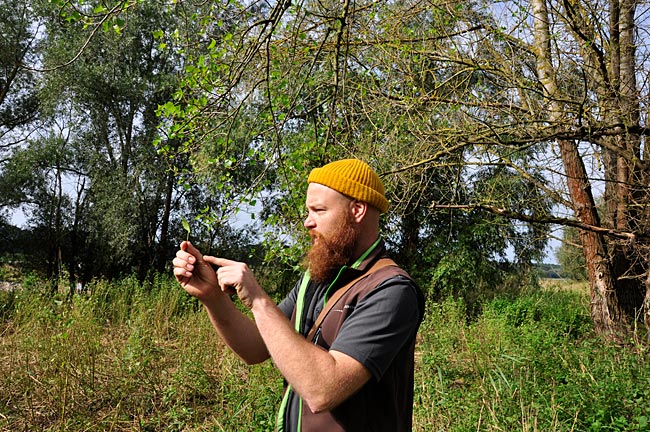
(186,226)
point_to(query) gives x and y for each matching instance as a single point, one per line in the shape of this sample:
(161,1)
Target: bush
(125,355)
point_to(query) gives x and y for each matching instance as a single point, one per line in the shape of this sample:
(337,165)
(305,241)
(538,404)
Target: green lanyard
(356,264)
(300,307)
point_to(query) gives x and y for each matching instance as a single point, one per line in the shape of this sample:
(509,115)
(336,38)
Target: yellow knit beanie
(353,178)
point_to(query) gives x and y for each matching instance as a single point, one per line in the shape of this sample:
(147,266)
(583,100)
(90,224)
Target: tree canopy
(491,124)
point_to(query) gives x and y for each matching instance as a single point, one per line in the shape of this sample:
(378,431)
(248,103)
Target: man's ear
(358,210)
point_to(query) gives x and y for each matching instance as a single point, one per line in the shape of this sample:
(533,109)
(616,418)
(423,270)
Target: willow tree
(568,73)
(521,112)
(548,91)
(293,85)
(592,106)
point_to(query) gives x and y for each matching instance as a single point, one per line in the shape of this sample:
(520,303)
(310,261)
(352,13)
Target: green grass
(144,357)
(529,363)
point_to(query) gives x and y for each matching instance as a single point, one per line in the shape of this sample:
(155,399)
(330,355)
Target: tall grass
(126,357)
(528,363)
(143,357)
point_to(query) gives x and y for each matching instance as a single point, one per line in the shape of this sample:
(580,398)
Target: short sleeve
(289,302)
(381,324)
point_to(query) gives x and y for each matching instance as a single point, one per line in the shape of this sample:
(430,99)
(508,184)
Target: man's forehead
(318,193)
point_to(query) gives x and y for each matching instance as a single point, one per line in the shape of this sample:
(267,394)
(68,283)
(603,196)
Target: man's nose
(309,222)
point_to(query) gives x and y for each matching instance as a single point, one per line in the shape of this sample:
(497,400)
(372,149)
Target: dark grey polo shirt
(381,323)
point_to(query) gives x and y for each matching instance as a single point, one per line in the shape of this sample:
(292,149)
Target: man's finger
(181,261)
(220,262)
(181,272)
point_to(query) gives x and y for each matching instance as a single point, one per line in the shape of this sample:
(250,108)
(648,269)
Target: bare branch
(625,235)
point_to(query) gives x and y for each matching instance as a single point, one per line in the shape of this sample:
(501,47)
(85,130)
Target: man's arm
(322,378)
(237,330)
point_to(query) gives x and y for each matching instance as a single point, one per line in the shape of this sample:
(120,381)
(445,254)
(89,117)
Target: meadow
(127,356)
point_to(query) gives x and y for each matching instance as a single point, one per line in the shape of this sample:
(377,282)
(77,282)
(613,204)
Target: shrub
(528,362)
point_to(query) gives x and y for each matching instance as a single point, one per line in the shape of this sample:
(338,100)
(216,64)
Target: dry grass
(132,358)
(581,287)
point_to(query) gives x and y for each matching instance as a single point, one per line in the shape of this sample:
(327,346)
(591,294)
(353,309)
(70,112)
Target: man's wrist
(260,303)
(215,297)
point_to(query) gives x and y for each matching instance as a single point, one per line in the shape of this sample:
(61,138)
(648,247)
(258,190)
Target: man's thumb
(189,248)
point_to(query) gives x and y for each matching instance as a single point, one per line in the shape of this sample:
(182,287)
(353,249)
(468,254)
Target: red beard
(328,255)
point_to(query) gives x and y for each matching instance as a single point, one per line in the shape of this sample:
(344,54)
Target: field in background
(144,358)
(581,287)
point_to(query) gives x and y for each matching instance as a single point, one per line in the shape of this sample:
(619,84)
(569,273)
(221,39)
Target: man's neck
(364,249)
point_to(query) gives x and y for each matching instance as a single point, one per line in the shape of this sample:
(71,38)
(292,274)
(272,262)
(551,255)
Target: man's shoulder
(384,268)
(385,276)
(393,279)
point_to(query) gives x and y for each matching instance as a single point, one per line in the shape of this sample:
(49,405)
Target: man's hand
(195,273)
(233,275)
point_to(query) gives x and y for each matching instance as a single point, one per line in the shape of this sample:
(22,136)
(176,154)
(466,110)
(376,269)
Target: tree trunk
(627,199)
(604,307)
(646,307)
(605,310)
(164,227)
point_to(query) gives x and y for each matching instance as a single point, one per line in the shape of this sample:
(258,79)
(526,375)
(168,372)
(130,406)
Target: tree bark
(605,310)
(164,227)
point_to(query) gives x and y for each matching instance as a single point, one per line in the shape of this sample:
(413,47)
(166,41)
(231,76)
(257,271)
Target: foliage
(124,191)
(124,355)
(100,196)
(484,124)
(18,90)
(127,355)
(549,271)
(527,363)
(463,273)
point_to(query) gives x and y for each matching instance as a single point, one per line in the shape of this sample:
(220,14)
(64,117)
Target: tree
(545,91)
(103,79)
(571,257)
(317,81)
(37,171)
(18,53)
(504,118)
(610,104)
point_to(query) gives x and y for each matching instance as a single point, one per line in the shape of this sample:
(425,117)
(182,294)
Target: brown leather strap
(380,263)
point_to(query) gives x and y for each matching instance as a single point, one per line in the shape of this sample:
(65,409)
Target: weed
(143,356)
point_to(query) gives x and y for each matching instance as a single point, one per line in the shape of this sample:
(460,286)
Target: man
(354,372)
